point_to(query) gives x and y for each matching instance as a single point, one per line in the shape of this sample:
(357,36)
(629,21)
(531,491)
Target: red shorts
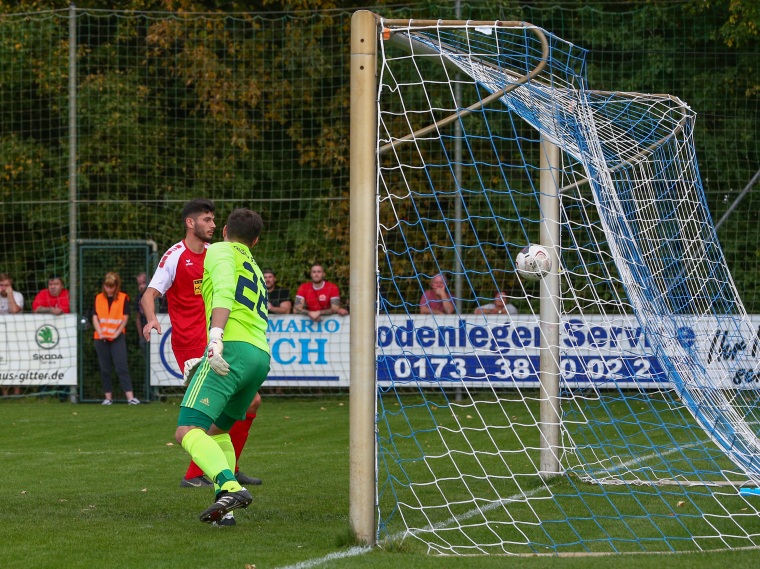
(184,355)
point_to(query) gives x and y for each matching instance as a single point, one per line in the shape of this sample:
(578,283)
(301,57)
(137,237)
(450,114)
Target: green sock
(207,454)
(224,483)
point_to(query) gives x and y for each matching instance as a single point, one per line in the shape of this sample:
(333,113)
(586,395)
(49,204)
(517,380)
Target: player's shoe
(107,402)
(197,482)
(226,502)
(246,480)
(133,401)
(227,521)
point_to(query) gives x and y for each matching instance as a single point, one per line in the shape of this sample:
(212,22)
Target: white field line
(361,550)
(637,460)
(352,552)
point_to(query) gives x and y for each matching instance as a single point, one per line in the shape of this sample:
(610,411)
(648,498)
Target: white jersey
(4,307)
(178,277)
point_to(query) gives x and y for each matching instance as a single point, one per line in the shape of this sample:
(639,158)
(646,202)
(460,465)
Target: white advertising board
(499,351)
(38,349)
(304,353)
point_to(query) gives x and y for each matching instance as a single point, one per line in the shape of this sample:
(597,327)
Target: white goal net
(611,405)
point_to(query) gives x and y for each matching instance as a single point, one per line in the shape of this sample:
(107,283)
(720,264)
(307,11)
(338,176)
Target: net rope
(637,241)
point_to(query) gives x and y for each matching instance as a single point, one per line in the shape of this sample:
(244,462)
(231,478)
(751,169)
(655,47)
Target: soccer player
(230,373)
(178,276)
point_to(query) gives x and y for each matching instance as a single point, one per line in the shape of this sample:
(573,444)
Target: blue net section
(657,356)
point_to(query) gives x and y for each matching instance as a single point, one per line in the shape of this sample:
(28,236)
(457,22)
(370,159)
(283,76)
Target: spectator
(140,319)
(52,300)
(436,300)
(110,317)
(500,305)
(11,301)
(319,297)
(278,297)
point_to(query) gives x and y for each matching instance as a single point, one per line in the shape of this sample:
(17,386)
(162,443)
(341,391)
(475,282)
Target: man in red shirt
(319,297)
(52,300)
(178,277)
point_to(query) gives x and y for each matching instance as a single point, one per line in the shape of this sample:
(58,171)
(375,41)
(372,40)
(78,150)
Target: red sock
(193,471)
(239,435)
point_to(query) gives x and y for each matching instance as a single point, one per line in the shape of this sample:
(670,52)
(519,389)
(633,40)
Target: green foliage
(251,109)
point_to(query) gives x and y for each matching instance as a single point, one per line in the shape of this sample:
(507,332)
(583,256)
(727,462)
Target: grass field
(93,486)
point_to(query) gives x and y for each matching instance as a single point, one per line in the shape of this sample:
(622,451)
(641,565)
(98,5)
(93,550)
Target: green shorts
(231,395)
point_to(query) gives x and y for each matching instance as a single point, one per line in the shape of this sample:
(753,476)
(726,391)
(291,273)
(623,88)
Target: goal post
(363,270)
(549,372)
(607,405)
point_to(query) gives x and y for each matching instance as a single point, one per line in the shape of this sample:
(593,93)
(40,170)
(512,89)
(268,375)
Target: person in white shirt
(11,301)
(500,305)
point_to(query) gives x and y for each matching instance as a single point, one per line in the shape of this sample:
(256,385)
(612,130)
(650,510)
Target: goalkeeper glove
(191,366)
(214,352)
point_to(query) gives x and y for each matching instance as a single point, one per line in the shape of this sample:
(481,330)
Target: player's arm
(215,347)
(219,317)
(219,268)
(148,303)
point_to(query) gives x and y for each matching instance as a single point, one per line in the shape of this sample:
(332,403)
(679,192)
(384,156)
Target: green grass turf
(92,486)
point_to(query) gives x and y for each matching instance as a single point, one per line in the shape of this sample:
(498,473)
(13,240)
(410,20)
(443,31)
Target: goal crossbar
(408,41)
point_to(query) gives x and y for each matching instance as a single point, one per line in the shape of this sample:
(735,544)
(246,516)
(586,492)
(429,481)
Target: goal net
(610,406)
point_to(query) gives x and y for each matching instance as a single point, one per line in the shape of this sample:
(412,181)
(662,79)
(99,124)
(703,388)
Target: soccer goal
(609,404)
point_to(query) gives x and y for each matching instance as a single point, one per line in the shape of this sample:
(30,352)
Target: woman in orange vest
(110,317)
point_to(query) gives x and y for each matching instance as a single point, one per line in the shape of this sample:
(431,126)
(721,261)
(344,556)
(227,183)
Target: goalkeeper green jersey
(233,280)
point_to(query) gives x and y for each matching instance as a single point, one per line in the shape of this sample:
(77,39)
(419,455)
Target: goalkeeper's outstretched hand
(191,366)
(214,352)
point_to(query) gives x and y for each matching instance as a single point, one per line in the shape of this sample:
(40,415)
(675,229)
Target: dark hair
(244,225)
(196,207)
(267,270)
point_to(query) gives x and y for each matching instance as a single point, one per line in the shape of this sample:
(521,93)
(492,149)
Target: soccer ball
(533,262)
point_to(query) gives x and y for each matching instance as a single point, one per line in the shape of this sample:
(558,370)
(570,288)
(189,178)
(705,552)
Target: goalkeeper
(235,364)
